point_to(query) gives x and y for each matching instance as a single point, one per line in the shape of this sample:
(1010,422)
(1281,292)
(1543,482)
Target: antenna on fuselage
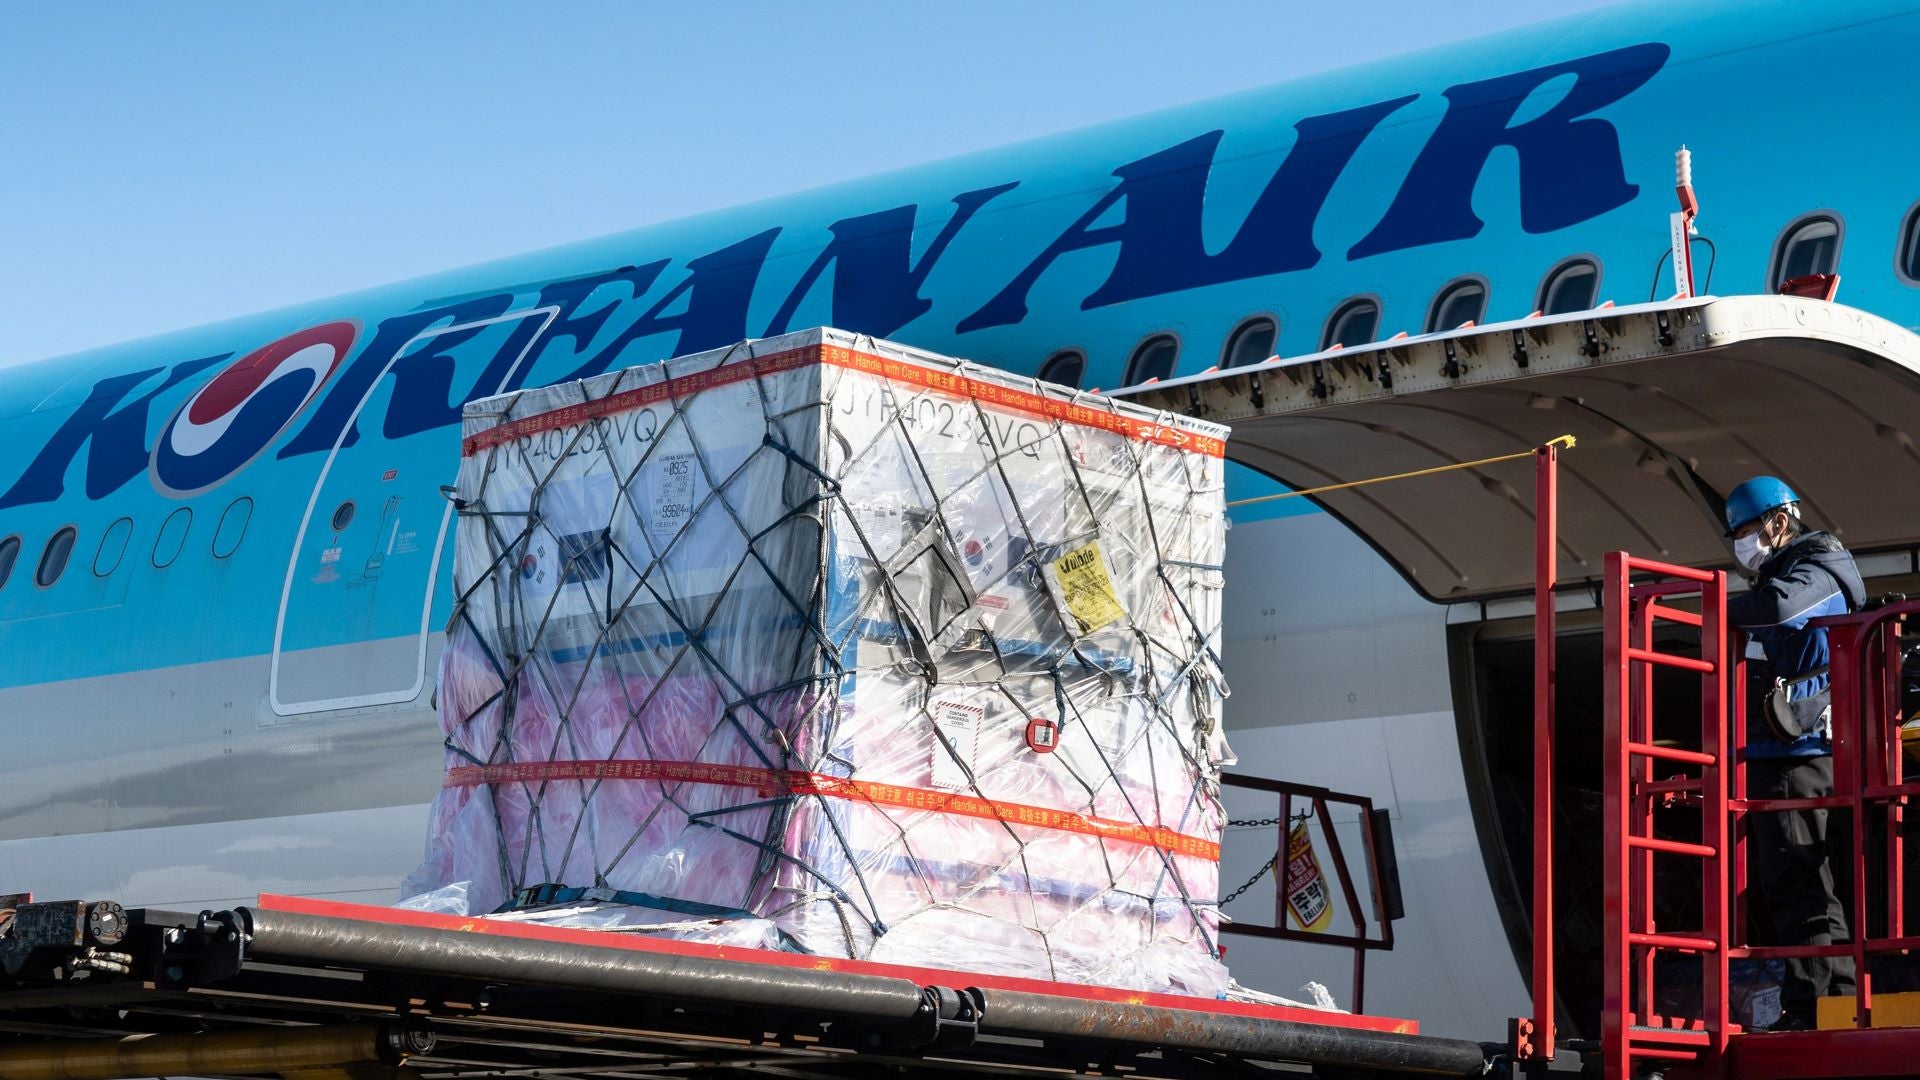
(1680,224)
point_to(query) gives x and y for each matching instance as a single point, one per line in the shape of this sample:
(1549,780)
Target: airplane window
(1066,367)
(1252,342)
(343,516)
(1457,303)
(53,557)
(1353,323)
(1808,246)
(9,554)
(233,527)
(1153,359)
(1908,257)
(113,544)
(172,537)
(1574,285)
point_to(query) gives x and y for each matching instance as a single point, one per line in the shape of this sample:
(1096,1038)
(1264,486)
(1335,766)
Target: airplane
(225,554)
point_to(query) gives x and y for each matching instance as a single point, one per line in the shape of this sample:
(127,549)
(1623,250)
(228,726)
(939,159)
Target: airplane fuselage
(225,683)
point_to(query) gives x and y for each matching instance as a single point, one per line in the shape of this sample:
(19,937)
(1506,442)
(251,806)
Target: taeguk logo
(230,420)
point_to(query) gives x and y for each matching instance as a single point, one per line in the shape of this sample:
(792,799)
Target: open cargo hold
(849,648)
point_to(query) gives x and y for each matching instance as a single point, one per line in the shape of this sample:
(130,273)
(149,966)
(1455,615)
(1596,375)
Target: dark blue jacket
(1813,576)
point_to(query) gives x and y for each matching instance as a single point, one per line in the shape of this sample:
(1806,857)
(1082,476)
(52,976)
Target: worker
(1800,575)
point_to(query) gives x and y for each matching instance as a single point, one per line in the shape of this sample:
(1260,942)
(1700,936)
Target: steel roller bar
(1011,1012)
(454,954)
(265,1051)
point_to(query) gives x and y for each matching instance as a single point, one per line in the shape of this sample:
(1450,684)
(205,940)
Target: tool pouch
(1788,718)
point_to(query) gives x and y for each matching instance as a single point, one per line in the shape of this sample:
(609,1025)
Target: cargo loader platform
(1670,404)
(315,988)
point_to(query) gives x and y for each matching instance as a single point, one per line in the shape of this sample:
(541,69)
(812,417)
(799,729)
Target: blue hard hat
(1754,498)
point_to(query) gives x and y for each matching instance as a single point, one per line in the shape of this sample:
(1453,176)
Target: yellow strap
(1564,441)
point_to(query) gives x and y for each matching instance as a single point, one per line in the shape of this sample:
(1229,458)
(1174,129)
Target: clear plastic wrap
(906,659)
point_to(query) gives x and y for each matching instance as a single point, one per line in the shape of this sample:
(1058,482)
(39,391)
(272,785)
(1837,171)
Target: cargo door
(1672,404)
(356,608)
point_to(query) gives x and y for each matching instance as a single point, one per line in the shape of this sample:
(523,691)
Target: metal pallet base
(328,991)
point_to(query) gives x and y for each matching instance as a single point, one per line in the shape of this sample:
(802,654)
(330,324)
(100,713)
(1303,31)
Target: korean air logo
(230,420)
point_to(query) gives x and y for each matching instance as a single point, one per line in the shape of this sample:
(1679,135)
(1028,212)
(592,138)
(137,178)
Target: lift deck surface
(289,982)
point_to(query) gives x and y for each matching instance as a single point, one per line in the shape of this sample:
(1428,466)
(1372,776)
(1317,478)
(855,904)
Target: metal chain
(1253,823)
(1257,875)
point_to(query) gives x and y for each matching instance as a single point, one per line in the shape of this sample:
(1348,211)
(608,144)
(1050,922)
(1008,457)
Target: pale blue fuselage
(252,650)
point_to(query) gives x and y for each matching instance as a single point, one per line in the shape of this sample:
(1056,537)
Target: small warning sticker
(1088,588)
(957,725)
(1307,899)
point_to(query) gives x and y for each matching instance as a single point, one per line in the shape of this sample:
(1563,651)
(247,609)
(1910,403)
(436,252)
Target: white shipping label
(957,725)
(675,483)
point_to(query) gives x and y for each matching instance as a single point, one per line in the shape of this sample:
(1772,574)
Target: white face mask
(1750,551)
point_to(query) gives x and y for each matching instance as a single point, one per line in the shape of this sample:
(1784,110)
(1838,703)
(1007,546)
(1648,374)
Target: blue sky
(173,164)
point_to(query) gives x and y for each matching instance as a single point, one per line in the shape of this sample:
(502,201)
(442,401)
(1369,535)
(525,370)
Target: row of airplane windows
(168,543)
(1809,245)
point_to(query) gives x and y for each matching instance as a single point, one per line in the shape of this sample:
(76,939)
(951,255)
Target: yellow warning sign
(1307,900)
(1082,577)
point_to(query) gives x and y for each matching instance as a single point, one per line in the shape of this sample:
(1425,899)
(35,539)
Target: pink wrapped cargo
(902,658)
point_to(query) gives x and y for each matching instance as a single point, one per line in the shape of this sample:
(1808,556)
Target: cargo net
(841,650)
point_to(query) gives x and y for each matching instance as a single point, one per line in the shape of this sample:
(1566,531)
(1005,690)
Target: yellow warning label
(1082,576)
(1307,900)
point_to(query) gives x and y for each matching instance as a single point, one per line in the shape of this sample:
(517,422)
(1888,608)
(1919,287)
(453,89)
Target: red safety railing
(1383,880)
(1530,1039)
(1630,1028)
(1870,788)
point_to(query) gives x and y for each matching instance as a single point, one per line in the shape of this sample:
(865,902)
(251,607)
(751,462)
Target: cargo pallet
(335,991)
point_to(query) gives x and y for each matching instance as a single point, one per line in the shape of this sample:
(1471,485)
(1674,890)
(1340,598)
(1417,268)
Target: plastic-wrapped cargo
(891,655)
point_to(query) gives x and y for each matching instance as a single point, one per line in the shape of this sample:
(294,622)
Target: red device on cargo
(1042,735)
